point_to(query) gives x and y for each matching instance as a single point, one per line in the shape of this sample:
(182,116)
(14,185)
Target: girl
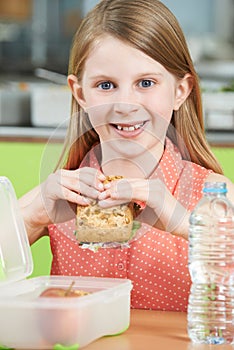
(136,112)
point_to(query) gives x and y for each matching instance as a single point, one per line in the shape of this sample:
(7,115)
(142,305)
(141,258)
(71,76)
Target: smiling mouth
(123,127)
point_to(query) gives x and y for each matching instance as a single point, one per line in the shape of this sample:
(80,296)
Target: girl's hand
(55,200)
(70,186)
(163,211)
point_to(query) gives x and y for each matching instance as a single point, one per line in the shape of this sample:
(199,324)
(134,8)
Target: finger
(77,186)
(89,176)
(52,190)
(108,203)
(74,197)
(121,189)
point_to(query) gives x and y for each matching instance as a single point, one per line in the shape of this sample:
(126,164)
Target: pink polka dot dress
(155,261)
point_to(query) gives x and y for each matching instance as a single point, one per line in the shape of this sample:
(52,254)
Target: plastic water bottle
(211,267)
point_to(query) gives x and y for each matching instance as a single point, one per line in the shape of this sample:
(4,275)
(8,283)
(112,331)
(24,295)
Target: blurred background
(35,40)
(38,33)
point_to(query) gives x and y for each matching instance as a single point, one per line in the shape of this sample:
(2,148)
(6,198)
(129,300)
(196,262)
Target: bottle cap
(215,187)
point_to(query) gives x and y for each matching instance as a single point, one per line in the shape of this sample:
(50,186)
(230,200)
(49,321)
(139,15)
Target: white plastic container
(219,110)
(14,106)
(50,105)
(28,321)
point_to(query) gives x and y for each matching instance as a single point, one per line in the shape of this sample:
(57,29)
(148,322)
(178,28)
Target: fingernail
(101,177)
(100,186)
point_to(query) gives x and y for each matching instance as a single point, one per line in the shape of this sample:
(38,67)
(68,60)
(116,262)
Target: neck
(140,166)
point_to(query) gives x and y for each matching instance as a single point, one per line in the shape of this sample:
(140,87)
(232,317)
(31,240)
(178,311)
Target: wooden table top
(156,330)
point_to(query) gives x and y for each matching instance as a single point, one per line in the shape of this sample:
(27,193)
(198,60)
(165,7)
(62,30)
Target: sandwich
(103,225)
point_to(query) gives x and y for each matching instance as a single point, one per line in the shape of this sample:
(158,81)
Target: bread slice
(96,224)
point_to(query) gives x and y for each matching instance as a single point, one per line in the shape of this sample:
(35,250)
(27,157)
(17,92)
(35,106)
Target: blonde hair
(149,26)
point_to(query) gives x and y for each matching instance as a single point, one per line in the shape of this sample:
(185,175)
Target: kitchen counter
(40,134)
(221,139)
(36,134)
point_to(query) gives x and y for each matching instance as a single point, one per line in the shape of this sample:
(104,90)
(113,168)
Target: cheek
(88,98)
(163,108)
(169,100)
(99,115)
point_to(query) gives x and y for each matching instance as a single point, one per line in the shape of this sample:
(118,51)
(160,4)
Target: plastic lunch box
(28,321)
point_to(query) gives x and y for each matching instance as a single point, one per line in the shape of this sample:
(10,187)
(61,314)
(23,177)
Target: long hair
(149,26)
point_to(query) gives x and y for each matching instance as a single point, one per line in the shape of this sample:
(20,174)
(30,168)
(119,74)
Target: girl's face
(129,97)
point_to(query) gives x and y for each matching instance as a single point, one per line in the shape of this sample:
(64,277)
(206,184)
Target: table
(153,330)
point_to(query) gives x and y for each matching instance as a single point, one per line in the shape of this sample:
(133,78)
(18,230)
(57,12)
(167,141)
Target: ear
(183,89)
(76,90)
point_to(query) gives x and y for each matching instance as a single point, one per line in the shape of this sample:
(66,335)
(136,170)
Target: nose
(125,108)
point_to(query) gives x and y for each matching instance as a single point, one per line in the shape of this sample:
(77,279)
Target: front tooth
(130,128)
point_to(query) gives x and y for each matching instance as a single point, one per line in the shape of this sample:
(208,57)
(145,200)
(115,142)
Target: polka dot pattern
(156,262)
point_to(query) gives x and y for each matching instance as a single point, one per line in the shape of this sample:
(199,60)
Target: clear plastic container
(29,321)
(15,255)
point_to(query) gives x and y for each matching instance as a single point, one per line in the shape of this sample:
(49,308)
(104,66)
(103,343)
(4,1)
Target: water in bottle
(211,267)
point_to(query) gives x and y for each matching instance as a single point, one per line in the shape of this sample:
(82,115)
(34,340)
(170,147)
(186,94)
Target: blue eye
(106,85)
(146,83)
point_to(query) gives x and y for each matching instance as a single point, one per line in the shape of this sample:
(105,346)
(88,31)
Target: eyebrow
(99,76)
(143,74)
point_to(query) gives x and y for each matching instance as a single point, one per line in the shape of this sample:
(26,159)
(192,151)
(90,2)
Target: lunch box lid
(16,262)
